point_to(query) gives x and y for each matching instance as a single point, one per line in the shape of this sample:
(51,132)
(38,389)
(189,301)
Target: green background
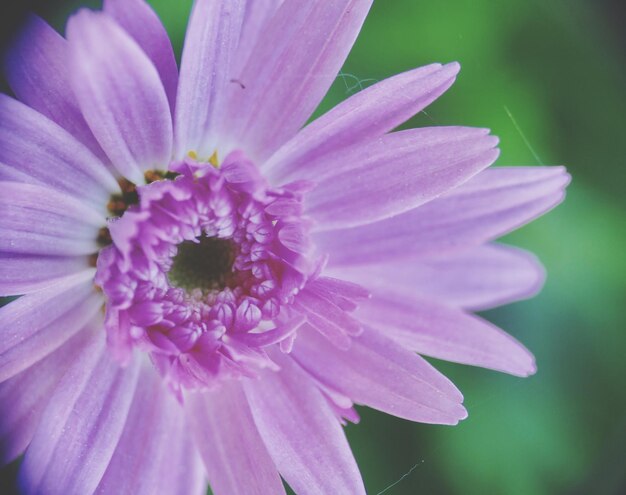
(548,77)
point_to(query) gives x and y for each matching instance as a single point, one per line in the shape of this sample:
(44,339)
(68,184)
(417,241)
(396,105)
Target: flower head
(203,273)
(208,285)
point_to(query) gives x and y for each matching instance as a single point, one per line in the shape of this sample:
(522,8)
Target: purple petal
(37,70)
(364,116)
(154,454)
(257,14)
(35,149)
(295,61)
(396,173)
(345,295)
(24,397)
(81,426)
(41,221)
(23,274)
(492,204)
(120,94)
(143,24)
(234,454)
(11,174)
(334,286)
(206,68)
(327,318)
(478,278)
(36,324)
(301,432)
(272,336)
(377,372)
(446,333)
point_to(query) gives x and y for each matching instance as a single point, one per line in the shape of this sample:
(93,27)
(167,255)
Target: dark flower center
(206,264)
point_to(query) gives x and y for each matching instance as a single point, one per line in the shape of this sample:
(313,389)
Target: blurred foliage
(549,79)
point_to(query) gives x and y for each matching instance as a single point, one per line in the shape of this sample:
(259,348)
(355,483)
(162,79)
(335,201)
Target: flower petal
(396,173)
(24,397)
(41,221)
(120,94)
(234,454)
(301,432)
(81,426)
(378,373)
(206,68)
(37,70)
(477,278)
(36,324)
(39,151)
(490,205)
(23,274)
(151,456)
(364,116)
(327,318)
(143,24)
(257,14)
(442,332)
(295,61)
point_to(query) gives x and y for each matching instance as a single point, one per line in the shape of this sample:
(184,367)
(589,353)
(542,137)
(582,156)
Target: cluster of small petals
(196,334)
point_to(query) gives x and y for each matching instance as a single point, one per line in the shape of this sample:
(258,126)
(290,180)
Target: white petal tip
(453,68)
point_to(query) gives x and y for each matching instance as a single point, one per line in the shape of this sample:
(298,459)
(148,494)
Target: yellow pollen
(214,160)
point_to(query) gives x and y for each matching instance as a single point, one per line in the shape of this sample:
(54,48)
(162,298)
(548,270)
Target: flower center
(203,270)
(205,263)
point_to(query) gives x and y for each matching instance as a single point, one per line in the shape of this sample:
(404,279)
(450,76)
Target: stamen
(214,160)
(104,237)
(156,175)
(103,240)
(119,203)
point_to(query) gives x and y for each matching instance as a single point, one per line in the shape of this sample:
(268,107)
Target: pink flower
(257,278)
